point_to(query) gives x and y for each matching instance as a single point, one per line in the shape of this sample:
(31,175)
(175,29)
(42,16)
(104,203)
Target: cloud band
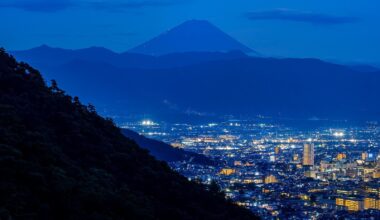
(300,16)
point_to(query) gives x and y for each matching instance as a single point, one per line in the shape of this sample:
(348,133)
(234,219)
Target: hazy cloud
(122,5)
(37,5)
(58,5)
(190,111)
(300,16)
(171,105)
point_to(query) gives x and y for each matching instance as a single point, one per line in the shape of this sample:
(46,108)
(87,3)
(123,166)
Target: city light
(338,134)
(148,123)
(306,169)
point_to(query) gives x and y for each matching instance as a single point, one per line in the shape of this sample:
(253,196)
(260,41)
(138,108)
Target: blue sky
(342,30)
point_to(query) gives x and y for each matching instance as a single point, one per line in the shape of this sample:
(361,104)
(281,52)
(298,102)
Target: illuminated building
(341,156)
(339,201)
(227,171)
(248,181)
(304,197)
(370,203)
(345,192)
(323,166)
(368,171)
(266,190)
(248,164)
(237,163)
(376,174)
(308,154)
(351,204)
(354,205)
(311,174)
(270,179)
(371,190)
(295,157)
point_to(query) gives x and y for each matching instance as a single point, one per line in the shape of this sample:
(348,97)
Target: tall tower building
(308,154)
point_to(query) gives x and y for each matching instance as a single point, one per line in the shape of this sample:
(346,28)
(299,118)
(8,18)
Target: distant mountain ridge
(204,84)
(191,36)
(59,56)
(364,68)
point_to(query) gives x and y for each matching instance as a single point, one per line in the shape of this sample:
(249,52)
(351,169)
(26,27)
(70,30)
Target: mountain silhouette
(45,56)
(60,160)
(196,84)
(191,36)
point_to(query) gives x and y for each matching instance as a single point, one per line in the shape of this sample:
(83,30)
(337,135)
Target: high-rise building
(308,154)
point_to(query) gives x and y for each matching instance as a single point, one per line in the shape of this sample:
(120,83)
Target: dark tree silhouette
(91,108)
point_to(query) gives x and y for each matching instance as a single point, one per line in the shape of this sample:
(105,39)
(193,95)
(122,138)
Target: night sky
(340,30)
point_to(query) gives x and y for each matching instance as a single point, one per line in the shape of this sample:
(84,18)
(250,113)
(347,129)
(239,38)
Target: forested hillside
(60,160)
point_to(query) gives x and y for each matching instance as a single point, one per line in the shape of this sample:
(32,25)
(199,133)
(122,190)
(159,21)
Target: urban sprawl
(280,171)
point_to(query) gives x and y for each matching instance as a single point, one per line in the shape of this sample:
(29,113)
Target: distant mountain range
(209,83)
(191,36)
(45,56)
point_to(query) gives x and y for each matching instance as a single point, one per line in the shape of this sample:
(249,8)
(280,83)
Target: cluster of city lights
(277,160)
(148,123)
(338,134)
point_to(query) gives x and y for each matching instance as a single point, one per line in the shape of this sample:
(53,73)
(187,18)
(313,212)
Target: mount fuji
(191,36)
